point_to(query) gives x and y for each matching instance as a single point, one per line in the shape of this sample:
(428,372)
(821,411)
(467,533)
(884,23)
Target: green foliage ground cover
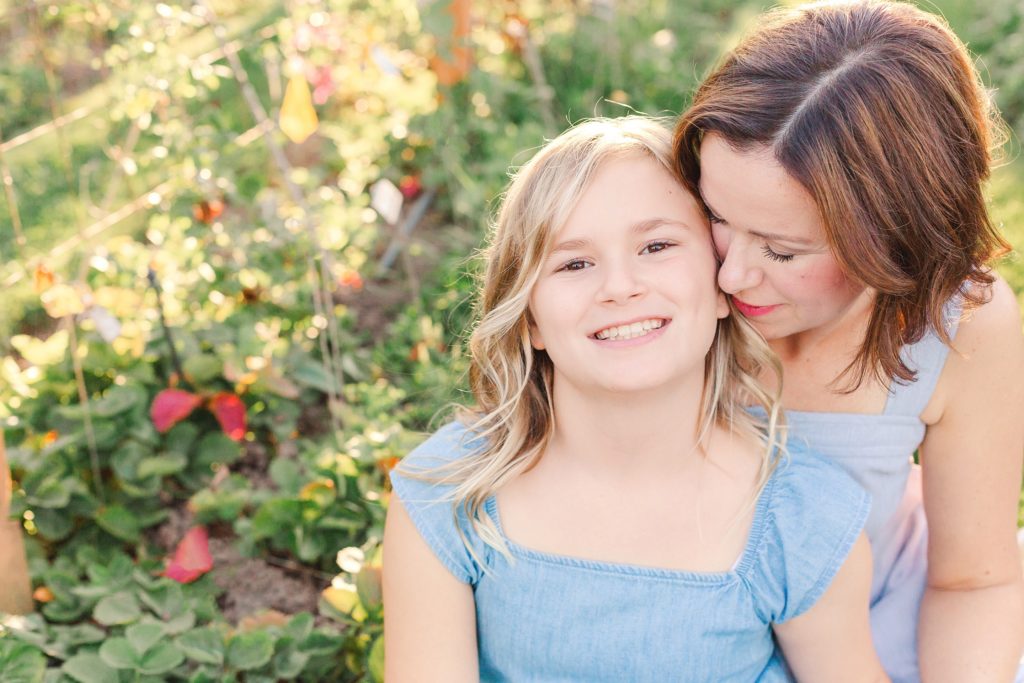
(309,477)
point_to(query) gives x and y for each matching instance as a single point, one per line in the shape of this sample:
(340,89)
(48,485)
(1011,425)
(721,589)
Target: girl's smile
(632,334)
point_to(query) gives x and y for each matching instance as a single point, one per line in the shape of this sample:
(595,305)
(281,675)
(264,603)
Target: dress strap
(927,357)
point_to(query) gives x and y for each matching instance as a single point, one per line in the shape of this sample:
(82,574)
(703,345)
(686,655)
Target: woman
(840,151)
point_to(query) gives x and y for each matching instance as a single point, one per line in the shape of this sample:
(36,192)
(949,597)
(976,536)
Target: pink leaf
(191,558)
(230,413)
(171,406)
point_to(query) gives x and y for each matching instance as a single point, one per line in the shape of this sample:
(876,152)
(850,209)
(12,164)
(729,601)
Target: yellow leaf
(44,278)
(298,117)
(62,300)
(39,352)
(342,599)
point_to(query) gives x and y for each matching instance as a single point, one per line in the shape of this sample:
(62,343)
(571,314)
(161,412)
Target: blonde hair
(511,381)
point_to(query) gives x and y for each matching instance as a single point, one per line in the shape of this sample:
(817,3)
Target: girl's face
(776,262)
(626,299)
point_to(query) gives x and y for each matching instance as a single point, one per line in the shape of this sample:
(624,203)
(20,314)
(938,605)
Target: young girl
(841,150)
(609,511)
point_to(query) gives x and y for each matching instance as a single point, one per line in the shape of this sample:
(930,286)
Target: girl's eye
(772,255)
(575,264)
(655,247)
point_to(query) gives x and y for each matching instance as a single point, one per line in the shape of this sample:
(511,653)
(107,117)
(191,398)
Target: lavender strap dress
(877,451)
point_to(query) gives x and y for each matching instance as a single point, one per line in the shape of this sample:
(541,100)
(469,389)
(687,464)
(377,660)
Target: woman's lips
(752,311)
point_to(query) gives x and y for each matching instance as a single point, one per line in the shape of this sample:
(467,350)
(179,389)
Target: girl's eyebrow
(638,228)
(770,236)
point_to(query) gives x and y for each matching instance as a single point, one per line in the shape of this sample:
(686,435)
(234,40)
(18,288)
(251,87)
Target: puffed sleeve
(815,513)
(431,507)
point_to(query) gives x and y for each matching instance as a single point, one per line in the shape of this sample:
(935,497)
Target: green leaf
(80,634)
(162,465)
(88,667)
(300,626)
(181,438)
(165,599)
(161,659)
(288,663)
(64,611)
(118,521)
(144,636)
(250,650)
(181,623)
(286,474)
(21,663)
(203,645)
(119,653)
(375,662)
(119,399)
(203,368)
(312,374)
(119,608)
(53,525)
(320,643)
(215,448)
(53,492)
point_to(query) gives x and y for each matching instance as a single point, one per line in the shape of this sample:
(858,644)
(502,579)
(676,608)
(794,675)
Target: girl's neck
(628,434)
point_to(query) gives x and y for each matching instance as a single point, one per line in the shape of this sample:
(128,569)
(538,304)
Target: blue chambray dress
(553,619)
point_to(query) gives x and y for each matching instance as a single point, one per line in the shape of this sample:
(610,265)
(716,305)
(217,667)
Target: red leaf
(191,558)
(230,413)
(171,406)
(410,186)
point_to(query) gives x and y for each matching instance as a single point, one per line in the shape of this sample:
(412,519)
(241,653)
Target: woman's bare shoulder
(994,327)
(987,357)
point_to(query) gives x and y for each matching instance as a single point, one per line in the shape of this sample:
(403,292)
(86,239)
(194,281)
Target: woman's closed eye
(773,255)
(712,218)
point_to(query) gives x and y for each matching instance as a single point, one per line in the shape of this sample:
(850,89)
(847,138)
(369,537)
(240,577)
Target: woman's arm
(972,619)
(429,615)
(832,640)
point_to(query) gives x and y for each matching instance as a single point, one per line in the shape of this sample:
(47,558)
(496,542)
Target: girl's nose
(621,283)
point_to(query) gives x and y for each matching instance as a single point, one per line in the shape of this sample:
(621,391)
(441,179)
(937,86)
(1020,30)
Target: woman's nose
(739,270)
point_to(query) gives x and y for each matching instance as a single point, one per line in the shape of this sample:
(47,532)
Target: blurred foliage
(208,286)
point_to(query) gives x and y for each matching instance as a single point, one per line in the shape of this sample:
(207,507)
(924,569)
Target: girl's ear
(536,341)
(722,306)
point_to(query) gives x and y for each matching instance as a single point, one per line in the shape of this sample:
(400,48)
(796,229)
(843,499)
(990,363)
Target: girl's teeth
(630,331)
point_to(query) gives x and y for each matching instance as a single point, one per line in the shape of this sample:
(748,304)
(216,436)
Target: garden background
(236,247)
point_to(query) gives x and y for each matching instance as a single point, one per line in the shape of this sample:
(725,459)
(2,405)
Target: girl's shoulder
(449,444)
(815,512)
(423,482)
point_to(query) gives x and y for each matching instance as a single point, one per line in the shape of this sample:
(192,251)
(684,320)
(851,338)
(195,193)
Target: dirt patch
(252,585)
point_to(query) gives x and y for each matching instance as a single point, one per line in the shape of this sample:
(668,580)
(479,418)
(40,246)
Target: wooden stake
(15,585)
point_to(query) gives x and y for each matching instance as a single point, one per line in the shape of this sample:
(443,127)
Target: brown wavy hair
(876,109)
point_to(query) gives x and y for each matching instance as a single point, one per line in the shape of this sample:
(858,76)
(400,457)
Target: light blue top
(877,451)
(552,618)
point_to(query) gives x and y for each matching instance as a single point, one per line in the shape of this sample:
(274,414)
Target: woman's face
(776,261)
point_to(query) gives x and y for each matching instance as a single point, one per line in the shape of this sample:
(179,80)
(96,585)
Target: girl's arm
(971,624)
(832,640)
(429,615)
